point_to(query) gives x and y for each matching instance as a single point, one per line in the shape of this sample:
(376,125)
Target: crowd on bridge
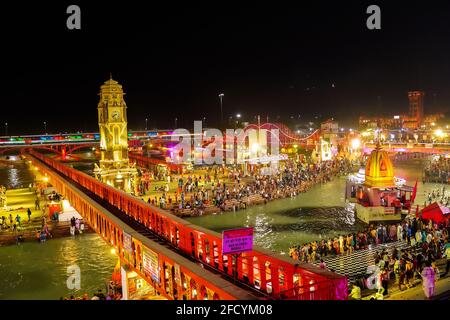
(438,170)
(197,192)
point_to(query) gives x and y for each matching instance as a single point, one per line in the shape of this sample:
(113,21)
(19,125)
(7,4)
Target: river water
(33,270)
(314,215)
(39,271)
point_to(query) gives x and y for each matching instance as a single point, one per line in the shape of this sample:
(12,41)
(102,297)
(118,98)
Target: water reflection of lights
(13,177)
(263,231)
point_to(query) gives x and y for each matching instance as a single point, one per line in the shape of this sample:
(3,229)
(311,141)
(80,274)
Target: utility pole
(221,109)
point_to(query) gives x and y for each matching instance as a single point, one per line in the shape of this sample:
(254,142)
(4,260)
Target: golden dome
(111,86)
(379,170)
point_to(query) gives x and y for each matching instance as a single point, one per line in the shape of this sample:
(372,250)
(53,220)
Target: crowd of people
(194,192)
(13,223)
(427,242)
(99,295)
(438,195)
(438,170)
(414,231)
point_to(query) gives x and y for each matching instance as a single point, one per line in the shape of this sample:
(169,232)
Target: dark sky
(174,60)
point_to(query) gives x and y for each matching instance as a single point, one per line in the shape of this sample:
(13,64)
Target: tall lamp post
(45,127)
(6,128)
(146,122)
(221,108)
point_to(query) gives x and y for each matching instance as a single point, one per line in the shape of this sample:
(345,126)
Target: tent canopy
(436,213)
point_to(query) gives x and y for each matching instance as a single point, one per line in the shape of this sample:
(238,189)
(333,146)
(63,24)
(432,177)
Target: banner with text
(151,264)
(237,240)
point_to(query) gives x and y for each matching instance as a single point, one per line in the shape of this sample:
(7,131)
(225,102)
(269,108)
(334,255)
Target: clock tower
(114,166)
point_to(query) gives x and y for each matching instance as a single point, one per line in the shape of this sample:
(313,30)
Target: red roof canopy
(436,213)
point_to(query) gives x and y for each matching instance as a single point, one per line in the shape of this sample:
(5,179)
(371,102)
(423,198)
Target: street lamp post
(238,116)
(6,128)
(45,127)
(221,108)
(146,122)
(176,120)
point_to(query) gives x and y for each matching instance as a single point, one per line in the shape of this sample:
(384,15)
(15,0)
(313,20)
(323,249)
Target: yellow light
(356,143)
(45,179)
(255,147)
(433,124)
(113,251)
(36,168)
(439,133)
(295,146)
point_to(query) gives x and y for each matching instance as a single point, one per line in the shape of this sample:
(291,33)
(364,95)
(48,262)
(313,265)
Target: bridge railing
(261,269)
(324,290)
(171,274)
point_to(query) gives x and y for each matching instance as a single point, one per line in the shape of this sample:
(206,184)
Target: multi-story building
(415,119)
(416,106)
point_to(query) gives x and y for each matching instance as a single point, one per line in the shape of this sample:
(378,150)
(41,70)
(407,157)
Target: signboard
(127,242)
(151,264)
(389,210)
(237,240)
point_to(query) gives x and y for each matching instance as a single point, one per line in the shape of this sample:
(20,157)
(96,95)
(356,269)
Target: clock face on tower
(115,115)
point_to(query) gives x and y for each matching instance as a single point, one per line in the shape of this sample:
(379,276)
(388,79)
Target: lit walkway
(19,200)
(442,292)
(354,265)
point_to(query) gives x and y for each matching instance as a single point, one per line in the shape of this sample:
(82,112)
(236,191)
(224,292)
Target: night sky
(278,60)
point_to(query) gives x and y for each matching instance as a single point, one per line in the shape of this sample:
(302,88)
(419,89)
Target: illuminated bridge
(179,259)
(429,148)
(287,137)
(66,144)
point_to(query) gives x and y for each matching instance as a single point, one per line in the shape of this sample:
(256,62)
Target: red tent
(436,213)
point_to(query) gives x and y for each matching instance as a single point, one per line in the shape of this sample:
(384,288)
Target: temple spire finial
(378,146)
